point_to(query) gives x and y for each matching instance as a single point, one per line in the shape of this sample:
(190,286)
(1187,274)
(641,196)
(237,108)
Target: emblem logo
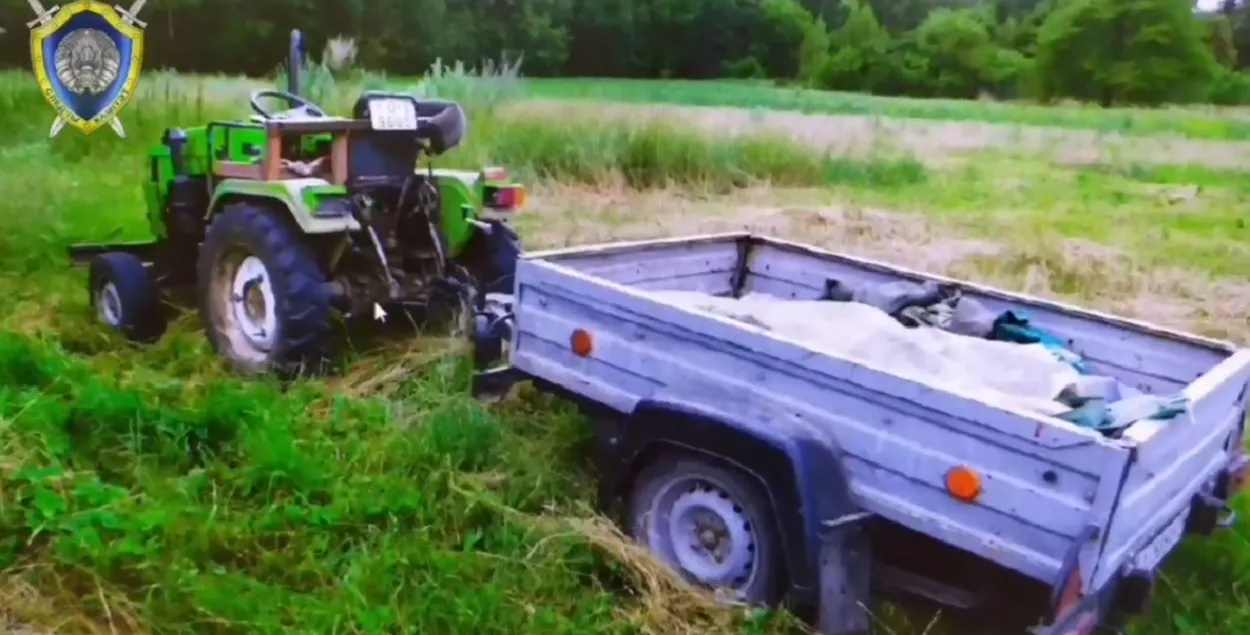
(86,56)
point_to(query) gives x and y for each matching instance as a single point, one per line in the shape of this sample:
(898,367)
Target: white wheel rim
(252,305)
(108,304)
(704,534)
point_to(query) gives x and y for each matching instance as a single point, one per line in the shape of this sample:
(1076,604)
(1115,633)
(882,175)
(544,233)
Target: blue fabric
(1100,415)
(1012,326)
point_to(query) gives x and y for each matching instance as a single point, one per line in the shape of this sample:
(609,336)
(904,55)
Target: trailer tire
(124,296)
(262,297)
(721,510)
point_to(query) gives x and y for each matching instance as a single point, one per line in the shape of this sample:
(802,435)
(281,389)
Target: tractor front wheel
(262,295)
(125,297)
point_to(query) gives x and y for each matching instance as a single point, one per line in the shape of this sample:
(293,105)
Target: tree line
(1106,51)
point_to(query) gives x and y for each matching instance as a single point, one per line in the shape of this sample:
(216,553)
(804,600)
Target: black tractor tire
(125,297)
(280,319)
(723,495)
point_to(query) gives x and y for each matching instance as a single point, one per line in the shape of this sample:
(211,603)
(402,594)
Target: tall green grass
(218,506)
(146,490)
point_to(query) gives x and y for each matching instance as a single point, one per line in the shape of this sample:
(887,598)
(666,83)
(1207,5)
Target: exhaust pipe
(295,65)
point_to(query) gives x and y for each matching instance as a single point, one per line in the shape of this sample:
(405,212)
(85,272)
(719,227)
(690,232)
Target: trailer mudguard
(802,475)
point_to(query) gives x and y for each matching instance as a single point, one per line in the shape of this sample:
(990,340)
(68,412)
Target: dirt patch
(1083,272)
(933,141)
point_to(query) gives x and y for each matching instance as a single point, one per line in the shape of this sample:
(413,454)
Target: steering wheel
(312,108)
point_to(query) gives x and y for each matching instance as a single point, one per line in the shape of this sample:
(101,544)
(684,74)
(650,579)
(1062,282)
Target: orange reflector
(581,343)
(518,196)
(963,484)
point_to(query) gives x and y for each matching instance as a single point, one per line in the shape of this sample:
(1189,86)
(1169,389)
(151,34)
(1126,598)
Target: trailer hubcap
(711,538)
(252,304)
(108,304)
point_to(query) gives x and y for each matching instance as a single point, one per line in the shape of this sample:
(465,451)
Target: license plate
(392,114)
(1148,558)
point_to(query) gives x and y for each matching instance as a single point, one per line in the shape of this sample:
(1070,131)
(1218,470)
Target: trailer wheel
(262,299)
(125,297)
(710,524)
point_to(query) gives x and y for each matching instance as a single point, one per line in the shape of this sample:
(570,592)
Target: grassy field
(149,491)
(1194,122)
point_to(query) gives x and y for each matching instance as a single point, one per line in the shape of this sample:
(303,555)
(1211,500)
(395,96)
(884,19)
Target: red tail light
(509,198)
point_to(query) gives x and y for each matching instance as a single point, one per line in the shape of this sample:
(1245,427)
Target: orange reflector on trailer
(581,343)
(963,483)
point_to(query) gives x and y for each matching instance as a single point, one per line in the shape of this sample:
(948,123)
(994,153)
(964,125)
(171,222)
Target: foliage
(963,58)
(1123,51)
(922,48)
(1229,88)
(1220,38)
(813,53)
(858,51)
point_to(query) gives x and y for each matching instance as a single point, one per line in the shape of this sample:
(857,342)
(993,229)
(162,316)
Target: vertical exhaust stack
(295,65)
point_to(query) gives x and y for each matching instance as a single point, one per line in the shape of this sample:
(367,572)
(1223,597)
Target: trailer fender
(314,205)
(803,476)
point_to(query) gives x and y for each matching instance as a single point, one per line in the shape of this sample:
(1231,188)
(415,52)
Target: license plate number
(392,114)
(1156,550)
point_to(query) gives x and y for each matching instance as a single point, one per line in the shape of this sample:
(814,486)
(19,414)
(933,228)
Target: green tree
(786,25)
(1220,38)
(858,52)
(813,53)
(961,54)
(905,69)
(1123,51)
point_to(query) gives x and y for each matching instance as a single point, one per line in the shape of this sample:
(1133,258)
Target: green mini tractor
(280,223)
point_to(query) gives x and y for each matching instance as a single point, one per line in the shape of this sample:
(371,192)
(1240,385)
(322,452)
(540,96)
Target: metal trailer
(839,474)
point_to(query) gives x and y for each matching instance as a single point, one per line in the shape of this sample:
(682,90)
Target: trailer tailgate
(1173,461)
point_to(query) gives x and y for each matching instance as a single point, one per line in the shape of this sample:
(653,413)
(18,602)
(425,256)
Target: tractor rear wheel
(125,297)
(262,295)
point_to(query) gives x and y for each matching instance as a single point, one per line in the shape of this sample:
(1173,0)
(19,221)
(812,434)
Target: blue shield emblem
(86,57)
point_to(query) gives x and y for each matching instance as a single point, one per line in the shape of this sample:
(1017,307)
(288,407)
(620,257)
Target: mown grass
(148,490)
(1185,216)
(1194,122)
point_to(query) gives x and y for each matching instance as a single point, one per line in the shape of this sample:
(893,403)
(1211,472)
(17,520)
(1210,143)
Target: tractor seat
(444,122)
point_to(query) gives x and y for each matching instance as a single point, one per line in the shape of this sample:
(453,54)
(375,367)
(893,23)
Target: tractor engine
(400,251)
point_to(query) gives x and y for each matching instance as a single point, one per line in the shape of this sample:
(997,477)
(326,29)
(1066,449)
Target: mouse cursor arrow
(379,313)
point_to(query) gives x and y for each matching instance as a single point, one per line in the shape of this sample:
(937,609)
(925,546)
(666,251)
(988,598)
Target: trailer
(762,465)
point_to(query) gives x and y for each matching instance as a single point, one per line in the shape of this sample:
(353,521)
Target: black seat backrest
(444,123)
(381,157)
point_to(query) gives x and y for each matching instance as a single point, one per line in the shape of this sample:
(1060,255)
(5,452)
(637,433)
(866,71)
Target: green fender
(462,194)
(305,199)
